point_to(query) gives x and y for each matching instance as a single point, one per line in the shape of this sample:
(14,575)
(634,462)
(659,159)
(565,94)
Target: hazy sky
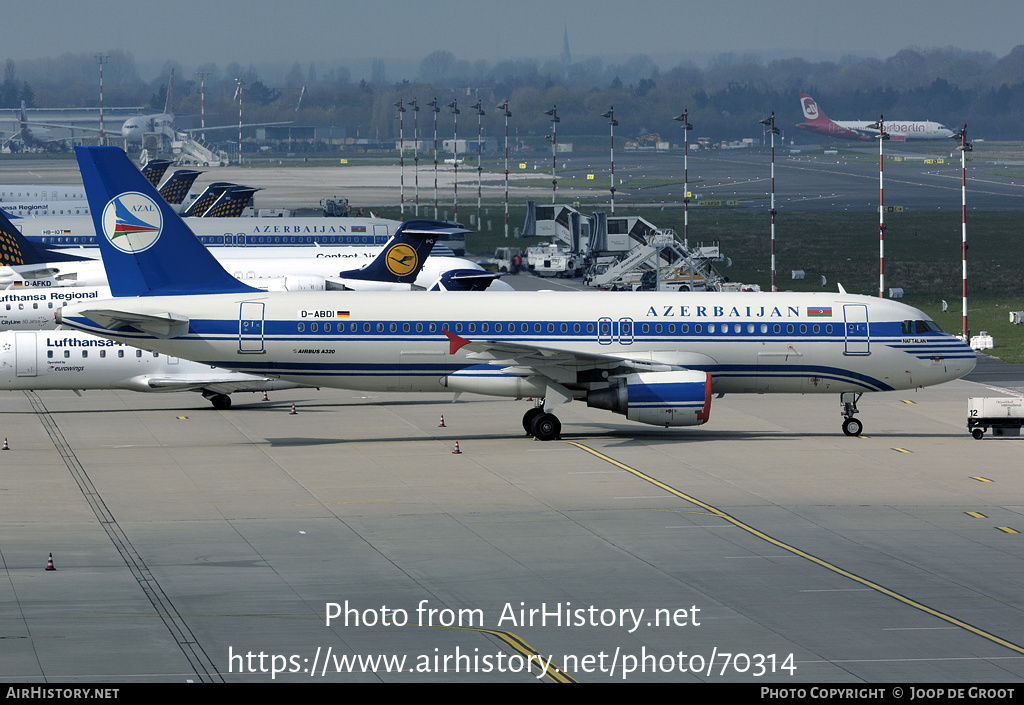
(330,31)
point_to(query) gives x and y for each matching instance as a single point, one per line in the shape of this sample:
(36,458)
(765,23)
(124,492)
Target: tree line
(725,99)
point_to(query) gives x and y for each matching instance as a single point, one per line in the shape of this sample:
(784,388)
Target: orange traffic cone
(456,451)
(293,411)
(441,425)
(49,563)
(265,397)
(6,447)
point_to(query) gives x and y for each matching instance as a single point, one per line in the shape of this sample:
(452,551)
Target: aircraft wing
(561,365)
(219,381)
(162,325)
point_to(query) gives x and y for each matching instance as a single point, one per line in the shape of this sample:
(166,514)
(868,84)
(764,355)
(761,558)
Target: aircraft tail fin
(176,187)
(16,250)
(404,254)
(231,203)
(154,170)
(812,113)
(206,199)
(147,249)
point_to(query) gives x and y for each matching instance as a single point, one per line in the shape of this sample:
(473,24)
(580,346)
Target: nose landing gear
(851,426)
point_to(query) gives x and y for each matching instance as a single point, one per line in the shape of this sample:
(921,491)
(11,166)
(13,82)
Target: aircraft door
(858,339)
(604,331)
(380,234)
(25,354)
(250,327)
(626,331)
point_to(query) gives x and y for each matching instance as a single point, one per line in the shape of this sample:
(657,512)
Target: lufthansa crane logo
(401,260)
(132,222)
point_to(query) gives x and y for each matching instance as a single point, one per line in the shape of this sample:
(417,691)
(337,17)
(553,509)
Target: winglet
(456,342)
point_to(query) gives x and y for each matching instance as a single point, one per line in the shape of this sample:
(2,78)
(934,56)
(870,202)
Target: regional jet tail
(22,263)
(817,122)
(654,357)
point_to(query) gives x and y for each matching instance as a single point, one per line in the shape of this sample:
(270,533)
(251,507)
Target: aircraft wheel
(221,401)
(546,427)
(528,418)
(978,434)
(853,427)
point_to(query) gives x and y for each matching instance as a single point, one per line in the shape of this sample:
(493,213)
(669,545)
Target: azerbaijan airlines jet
(657,358)
(817,122)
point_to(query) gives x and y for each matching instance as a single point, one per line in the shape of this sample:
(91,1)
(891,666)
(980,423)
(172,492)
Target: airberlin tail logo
(810,108)
(132,222)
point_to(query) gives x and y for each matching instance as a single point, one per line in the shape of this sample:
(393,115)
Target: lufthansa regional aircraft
(899,130)
(657,358)
(77,361)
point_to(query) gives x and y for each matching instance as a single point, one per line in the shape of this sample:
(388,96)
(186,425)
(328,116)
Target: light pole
(102,58)
(505,111)
(416,150)
(882,137)
(686,126)
(436,110)
(202,104)
(770,122)
(479,168)
(964,148)
(454,105)
(401,155)
(612,122)
(238,94)
(554,143)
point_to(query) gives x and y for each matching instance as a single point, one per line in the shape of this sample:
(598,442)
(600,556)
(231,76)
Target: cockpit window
(920,327)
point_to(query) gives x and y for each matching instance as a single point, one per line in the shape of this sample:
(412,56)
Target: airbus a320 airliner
(657,358)
(817,122)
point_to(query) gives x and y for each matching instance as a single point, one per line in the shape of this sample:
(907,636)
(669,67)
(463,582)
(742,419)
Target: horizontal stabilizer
(162,325)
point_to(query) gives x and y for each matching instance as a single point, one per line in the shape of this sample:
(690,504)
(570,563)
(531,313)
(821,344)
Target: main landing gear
(541,425)
(219,401)
(851,426)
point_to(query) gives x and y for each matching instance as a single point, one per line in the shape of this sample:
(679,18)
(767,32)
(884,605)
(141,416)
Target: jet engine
(681,398)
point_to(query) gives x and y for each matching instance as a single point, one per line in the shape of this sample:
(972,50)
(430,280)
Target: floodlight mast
(686,126)
(416,150)
(454,105)
(882,137)
(505,111)
(401,154)
(612,123)
(554,143)
(964,148)
(772,130)
(435,109)
(479,167)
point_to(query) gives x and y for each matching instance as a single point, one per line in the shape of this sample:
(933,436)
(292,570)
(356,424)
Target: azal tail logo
(132,222)
(401,260)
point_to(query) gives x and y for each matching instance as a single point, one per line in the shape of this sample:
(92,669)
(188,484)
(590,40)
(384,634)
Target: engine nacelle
(489,380)
(680,398)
